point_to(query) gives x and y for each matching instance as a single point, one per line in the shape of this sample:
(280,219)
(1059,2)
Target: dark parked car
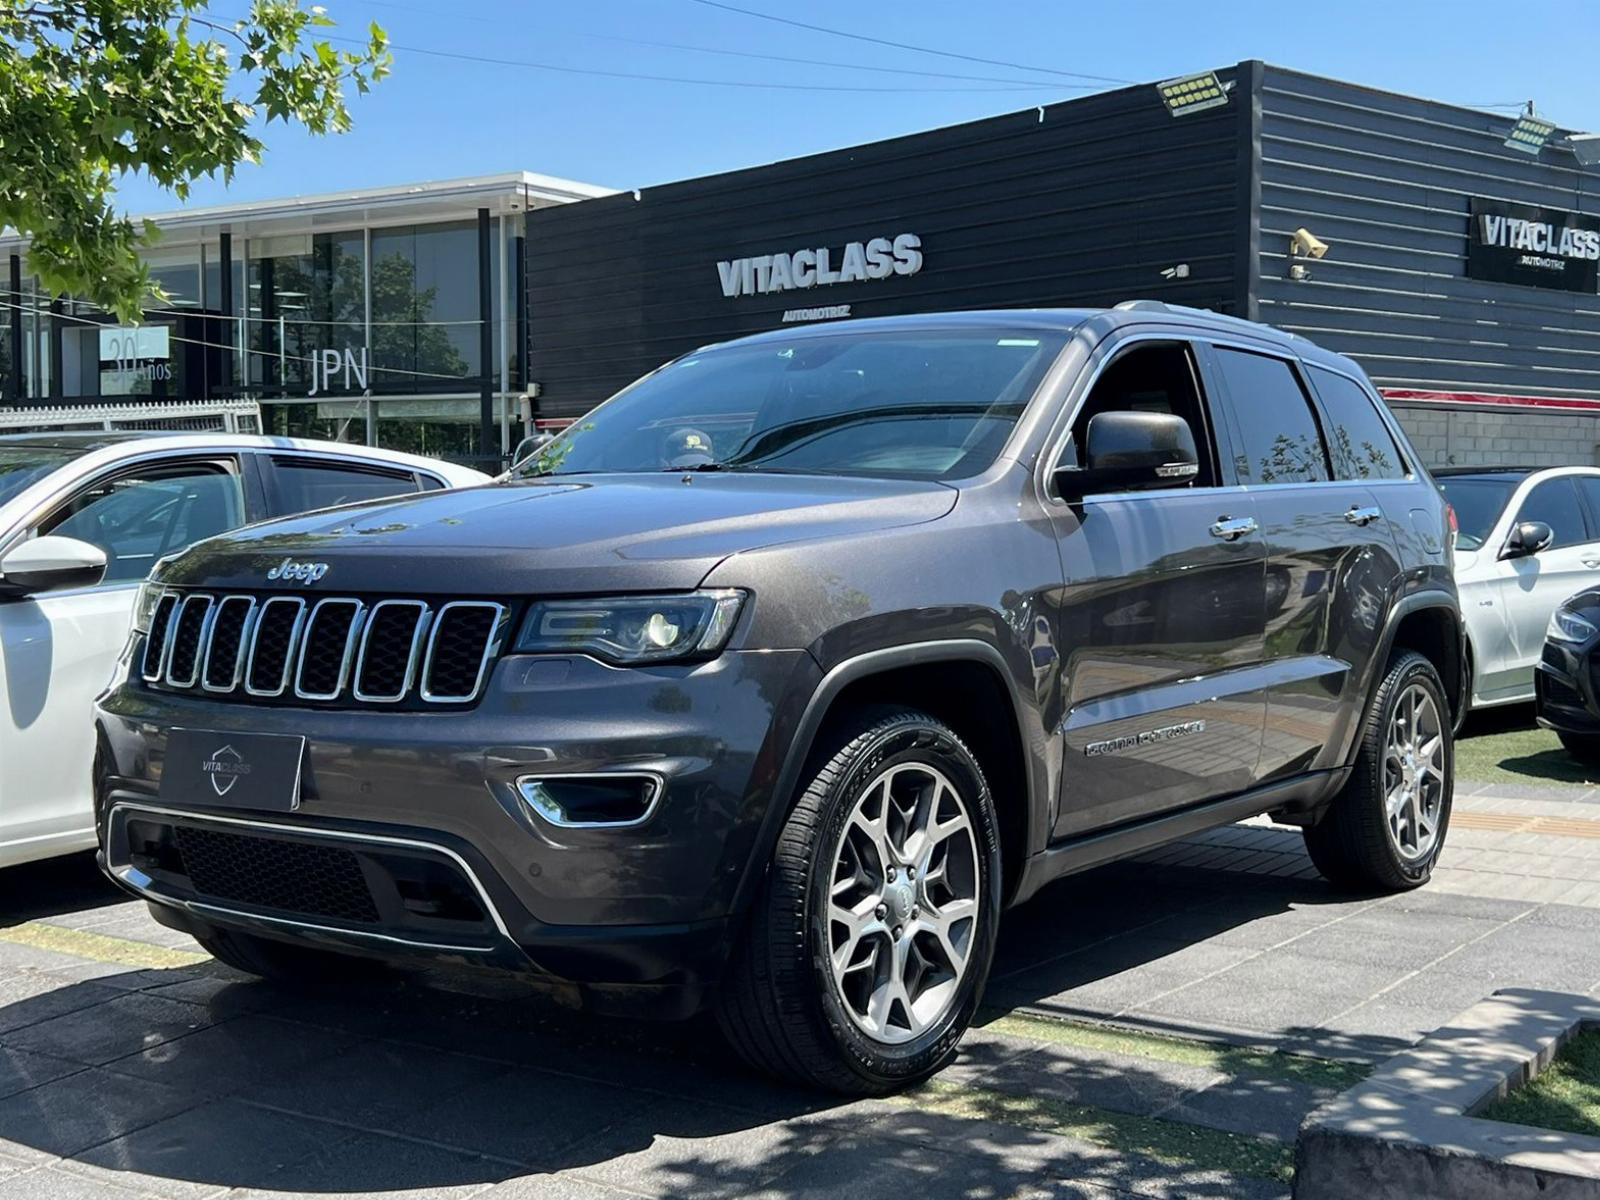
(1564,681)
(768,685)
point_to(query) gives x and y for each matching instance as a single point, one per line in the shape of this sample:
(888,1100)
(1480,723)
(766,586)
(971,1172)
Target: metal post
(366,319)
(16,381)
(504,366)
(486,437)
(57,311)
(228,323)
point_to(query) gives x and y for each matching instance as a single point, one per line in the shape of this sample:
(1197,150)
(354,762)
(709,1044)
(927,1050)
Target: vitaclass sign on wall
(1536,247)
(821,266)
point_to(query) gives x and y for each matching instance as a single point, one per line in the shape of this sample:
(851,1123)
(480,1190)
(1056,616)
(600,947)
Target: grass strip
(1230,1060)
(98,947)
(1564,1096)
(1171,1143)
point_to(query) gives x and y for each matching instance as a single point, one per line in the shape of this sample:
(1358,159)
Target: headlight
(1566,626)
(632,629)
(144,607)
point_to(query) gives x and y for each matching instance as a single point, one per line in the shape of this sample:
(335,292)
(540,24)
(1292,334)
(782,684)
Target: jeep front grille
(336,650)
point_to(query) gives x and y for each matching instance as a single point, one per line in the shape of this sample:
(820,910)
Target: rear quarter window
(1359,443)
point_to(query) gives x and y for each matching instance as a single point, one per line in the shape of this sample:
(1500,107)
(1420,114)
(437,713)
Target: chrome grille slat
(377,621)
(159,640)
(322,636)
(328,650)
(278,681)
(187,637)
(442,628)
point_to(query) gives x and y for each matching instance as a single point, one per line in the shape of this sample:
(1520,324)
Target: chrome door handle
(1232,528)
(1591,562)
(1359,515)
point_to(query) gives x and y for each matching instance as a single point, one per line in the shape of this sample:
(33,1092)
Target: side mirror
(1528,537)
(45,564)
(1127,450)
(529,446)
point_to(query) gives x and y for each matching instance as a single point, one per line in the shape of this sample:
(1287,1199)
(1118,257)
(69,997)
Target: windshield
(1478,500)
(23,465)
(921,404)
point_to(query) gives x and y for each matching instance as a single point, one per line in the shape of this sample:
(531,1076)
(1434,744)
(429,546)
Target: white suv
(83,518)
(1528,539)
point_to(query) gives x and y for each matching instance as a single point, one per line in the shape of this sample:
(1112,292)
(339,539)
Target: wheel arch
(901,675)
(1428,622)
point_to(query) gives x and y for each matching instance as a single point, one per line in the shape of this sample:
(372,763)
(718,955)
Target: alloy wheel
(1413,774)
(903,901)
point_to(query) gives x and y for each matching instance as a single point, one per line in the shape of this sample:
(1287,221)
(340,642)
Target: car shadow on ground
(71,884)
(170,1081)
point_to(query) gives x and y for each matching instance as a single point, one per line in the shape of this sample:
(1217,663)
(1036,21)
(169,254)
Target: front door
(1162,619)
(60,648)
(1534,585)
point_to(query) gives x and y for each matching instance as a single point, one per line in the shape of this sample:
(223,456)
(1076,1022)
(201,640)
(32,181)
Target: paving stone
(1270,1108)
(219,1145)
(21,1070)
(28,997)
(50,1183)
(375,1167)
(525,1116)
(240,1053)
(68,1115)
(705,1152)
(1118,1082)
(123,1025)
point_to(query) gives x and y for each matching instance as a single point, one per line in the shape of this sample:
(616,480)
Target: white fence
(212,416)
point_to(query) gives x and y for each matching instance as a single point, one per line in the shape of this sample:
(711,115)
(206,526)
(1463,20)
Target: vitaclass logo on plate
(224,768)
(289,571)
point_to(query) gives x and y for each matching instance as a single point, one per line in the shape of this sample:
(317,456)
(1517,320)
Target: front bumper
(1565,697)
(417,815)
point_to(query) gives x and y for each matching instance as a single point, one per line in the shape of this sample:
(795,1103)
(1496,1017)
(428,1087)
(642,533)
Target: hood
(586,534)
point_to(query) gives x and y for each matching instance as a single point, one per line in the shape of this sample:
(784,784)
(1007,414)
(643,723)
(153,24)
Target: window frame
(1297,369)
(163,464)
(1584,513)
(1082,382)
(270,460)
(1379,409)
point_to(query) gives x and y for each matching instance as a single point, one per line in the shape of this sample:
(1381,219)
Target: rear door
(1162,616)
(1329,543)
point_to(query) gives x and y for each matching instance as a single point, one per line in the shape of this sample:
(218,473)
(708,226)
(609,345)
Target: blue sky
(436,117)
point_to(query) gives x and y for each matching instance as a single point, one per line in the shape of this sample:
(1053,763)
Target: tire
(286,963)
(784,1006)
(1354,844)
(1585,747)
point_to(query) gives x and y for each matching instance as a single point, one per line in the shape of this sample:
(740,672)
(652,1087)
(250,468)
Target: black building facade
(1459,270)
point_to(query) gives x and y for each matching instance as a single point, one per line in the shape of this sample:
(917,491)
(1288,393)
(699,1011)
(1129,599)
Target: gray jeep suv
(770,683)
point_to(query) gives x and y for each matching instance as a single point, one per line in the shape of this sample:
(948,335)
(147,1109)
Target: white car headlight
(1567,626)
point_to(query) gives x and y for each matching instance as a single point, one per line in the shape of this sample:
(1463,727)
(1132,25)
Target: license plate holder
(256,771)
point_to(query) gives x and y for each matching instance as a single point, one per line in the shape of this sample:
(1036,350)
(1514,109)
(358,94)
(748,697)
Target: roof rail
(1184,310)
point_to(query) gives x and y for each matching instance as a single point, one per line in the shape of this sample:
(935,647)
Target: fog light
(608,801)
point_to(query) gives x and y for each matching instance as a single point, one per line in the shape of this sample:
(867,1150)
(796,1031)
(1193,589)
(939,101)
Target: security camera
(1305,244)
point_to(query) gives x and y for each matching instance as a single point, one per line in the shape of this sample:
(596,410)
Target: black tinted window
(1277,436)
(1358,441)
(1555,502)
(1478,500)
(303,486)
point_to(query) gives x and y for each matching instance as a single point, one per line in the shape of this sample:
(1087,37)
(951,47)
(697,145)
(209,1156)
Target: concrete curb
(1407,1132)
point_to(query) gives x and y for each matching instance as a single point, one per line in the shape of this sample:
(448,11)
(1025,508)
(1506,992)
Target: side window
(1358,441)
(1277,433)
(1555,502)
(1152,377)
(142,515)
(304,484)
(1589,489)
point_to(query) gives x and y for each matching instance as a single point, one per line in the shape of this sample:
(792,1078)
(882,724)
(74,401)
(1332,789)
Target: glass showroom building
(1452,251)
(390,315)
